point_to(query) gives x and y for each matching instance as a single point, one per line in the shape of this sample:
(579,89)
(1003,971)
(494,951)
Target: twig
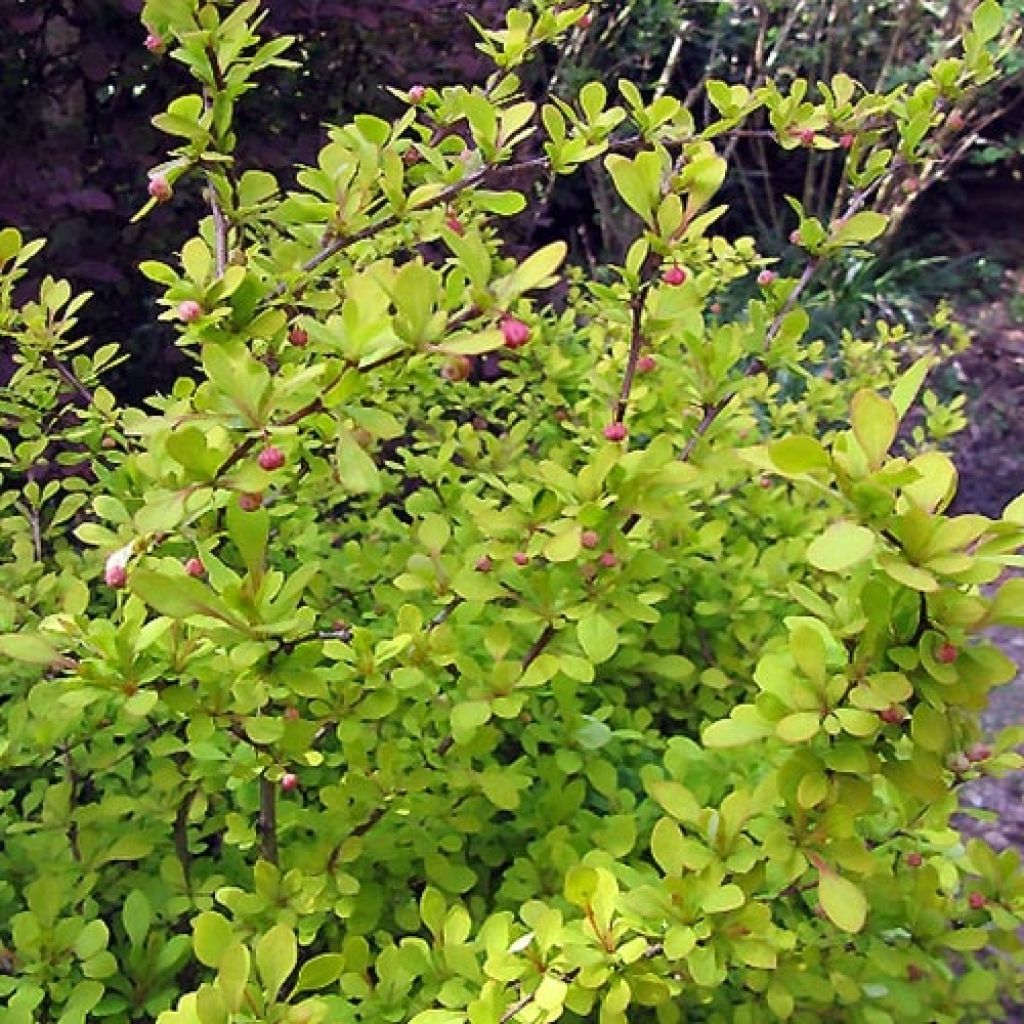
(181,837)
(68,377)
(220,232)
(636,343)
(268,820)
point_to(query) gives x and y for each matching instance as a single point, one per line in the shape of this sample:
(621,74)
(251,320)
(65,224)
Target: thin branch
(674,53)
(268,820)
(69,378)
(220,231)
(181,849)
(539,645)
(636,344)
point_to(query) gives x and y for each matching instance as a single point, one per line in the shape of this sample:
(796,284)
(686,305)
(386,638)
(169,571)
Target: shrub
(417,658)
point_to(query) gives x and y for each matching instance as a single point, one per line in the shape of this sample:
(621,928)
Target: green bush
(474,638)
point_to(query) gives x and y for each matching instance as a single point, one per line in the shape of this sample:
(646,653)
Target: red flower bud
(645,364)
(674,276)
(298,337)
(847,140)
(616,431)
(947,653)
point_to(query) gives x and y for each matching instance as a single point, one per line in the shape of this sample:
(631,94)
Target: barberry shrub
(419,659)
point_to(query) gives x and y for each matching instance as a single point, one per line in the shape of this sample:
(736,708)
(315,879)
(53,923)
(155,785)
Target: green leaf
(735,731)
(1014,511)
(987,20)
(875,423)
(91,939)
(865,226)
(356,470)
(906,389)
(798,727)
(841,547)
(842,901)
(721,900)
(210,1006)
(233,974)
(539,269)
(668,847)
(564,544)
(276,955)
(473,344)
(177,597)
(28,647)
(319,972)
(598,637)
(211,936)
(798,454)
(637,181)
(676,799)
(466,718)
(136,916)
(249,532)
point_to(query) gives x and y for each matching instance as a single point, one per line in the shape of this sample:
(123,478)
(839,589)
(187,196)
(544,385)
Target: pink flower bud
(616,431)
(154,42)
(271,458)
(115,572)
(766,277)
(417,94)
(190,311)
(194,567)
(159,188)
(515,332)
(674,276)
(646,364)
(590,539)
